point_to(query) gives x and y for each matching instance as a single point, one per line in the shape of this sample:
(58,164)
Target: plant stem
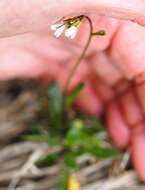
(81,55)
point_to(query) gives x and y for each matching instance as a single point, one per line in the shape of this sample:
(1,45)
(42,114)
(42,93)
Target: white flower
(58,29)
(70,27)
(55,26)
(71,32)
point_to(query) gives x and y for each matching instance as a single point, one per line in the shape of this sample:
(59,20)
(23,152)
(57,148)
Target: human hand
(113,69)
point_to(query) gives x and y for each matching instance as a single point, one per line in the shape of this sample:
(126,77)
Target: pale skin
(113,69)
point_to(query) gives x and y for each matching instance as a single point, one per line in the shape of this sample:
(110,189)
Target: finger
(138,150)
(129,104)
(103,90)
(89,102)
(99,43)
(117,126)
(138,133)
(101,65)
(39,43)
(139,83)
(32,56)
(127,49)
(130,107)
(77,77)
(131,110)
(24,16)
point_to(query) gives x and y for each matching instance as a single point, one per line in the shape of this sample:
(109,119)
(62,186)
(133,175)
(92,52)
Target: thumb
(17,17)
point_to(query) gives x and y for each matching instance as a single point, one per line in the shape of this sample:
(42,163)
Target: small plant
(71,136)
(71,27)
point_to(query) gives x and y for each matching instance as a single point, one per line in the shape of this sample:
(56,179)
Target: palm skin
(113,70)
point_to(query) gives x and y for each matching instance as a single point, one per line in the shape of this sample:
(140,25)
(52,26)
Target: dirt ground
(19,102)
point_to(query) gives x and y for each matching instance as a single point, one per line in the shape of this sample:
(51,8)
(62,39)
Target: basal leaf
(48,160)
(102,152)
(70,99)
(55,106)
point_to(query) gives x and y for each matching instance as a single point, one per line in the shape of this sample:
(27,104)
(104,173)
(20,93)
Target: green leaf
(75,92)
(80,140)
(55,106)
(99,33)
(48,160)
(102,152)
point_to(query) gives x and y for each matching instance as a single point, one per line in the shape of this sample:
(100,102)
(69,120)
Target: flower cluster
(70,27)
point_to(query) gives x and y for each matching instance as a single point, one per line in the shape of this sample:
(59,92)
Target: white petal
(55,26)
(74,35)
(59,31)
(71,32)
